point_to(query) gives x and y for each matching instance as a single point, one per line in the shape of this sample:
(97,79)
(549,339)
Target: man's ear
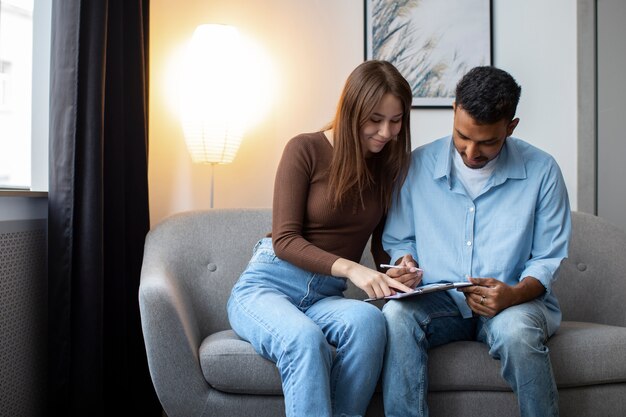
(511,127)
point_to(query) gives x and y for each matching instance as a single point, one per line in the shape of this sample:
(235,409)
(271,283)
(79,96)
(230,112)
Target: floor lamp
(211,97)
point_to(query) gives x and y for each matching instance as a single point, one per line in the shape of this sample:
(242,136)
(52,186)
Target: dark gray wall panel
(611,48)
(23,312)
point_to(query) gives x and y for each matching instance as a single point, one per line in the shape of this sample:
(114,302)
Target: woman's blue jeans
(516,336)
(292,317)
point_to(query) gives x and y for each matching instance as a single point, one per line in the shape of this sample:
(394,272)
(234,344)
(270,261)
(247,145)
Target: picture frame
(433,43)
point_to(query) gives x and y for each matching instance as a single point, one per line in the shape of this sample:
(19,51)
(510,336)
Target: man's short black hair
(488,94)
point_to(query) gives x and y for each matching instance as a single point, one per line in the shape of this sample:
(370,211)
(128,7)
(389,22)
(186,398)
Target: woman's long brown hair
(363,90)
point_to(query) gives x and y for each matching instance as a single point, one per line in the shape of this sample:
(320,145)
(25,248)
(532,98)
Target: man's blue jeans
(516,336)
(292,317)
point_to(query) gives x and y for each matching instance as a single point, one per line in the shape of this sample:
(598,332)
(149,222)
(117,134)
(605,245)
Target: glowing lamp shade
(212,96)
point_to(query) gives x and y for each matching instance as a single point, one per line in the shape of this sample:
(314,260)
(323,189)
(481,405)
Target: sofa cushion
(582,354)
(230,364)
(588,354)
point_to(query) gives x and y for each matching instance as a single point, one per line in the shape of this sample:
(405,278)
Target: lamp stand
(212,181)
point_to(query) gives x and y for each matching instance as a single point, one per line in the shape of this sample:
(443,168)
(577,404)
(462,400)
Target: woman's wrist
(342,268)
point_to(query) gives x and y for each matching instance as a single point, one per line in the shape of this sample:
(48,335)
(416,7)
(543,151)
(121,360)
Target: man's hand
(490,296)
(410,275)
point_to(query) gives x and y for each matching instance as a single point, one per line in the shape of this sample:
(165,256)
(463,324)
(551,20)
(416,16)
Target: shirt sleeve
(552,230)
(399,234)
(376,247)
(291,191)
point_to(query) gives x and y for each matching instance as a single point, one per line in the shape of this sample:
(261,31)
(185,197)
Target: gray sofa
(199,367)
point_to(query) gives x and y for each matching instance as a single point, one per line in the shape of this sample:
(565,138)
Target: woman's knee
(365,322)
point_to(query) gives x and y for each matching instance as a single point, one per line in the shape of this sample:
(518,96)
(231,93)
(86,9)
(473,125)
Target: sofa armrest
(172,340)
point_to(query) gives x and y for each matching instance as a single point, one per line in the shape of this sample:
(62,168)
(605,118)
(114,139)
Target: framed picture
(433,43)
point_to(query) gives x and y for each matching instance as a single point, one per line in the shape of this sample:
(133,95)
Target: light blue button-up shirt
(518,226)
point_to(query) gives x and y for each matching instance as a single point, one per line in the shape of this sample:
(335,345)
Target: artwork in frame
(433,43)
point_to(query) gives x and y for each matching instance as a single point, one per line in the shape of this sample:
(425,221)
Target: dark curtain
(98,208)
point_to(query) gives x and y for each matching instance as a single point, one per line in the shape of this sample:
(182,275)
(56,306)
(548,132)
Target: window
(24,86)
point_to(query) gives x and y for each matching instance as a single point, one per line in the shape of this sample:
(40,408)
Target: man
(483,206)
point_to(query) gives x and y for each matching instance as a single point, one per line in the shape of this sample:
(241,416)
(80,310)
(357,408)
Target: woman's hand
(374,283)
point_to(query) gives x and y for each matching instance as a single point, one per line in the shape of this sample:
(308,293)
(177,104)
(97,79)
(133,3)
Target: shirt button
(471,209)
(469,243)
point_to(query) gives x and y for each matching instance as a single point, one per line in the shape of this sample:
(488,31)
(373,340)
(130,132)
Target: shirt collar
(511,164)
(443,164)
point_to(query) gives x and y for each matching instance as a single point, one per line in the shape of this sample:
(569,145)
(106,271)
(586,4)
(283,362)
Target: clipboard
(425,289)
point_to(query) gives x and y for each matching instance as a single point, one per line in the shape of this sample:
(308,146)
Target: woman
(331,192)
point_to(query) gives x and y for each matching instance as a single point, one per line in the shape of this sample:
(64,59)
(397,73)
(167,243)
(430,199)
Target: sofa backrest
(206,251)
(591,284)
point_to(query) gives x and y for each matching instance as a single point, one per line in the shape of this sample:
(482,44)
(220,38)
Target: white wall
(535,41)
(314,44)
(539,50)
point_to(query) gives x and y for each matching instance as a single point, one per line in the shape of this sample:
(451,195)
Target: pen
(399,266)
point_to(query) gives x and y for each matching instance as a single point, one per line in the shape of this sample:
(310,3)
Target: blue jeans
(292,317)
(516,336)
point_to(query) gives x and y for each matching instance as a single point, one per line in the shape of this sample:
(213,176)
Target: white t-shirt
(473,179)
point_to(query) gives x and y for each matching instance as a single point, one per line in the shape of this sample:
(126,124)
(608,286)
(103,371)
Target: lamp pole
(212,181)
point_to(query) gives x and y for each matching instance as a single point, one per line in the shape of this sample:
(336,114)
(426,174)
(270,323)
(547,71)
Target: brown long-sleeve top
(306,230)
